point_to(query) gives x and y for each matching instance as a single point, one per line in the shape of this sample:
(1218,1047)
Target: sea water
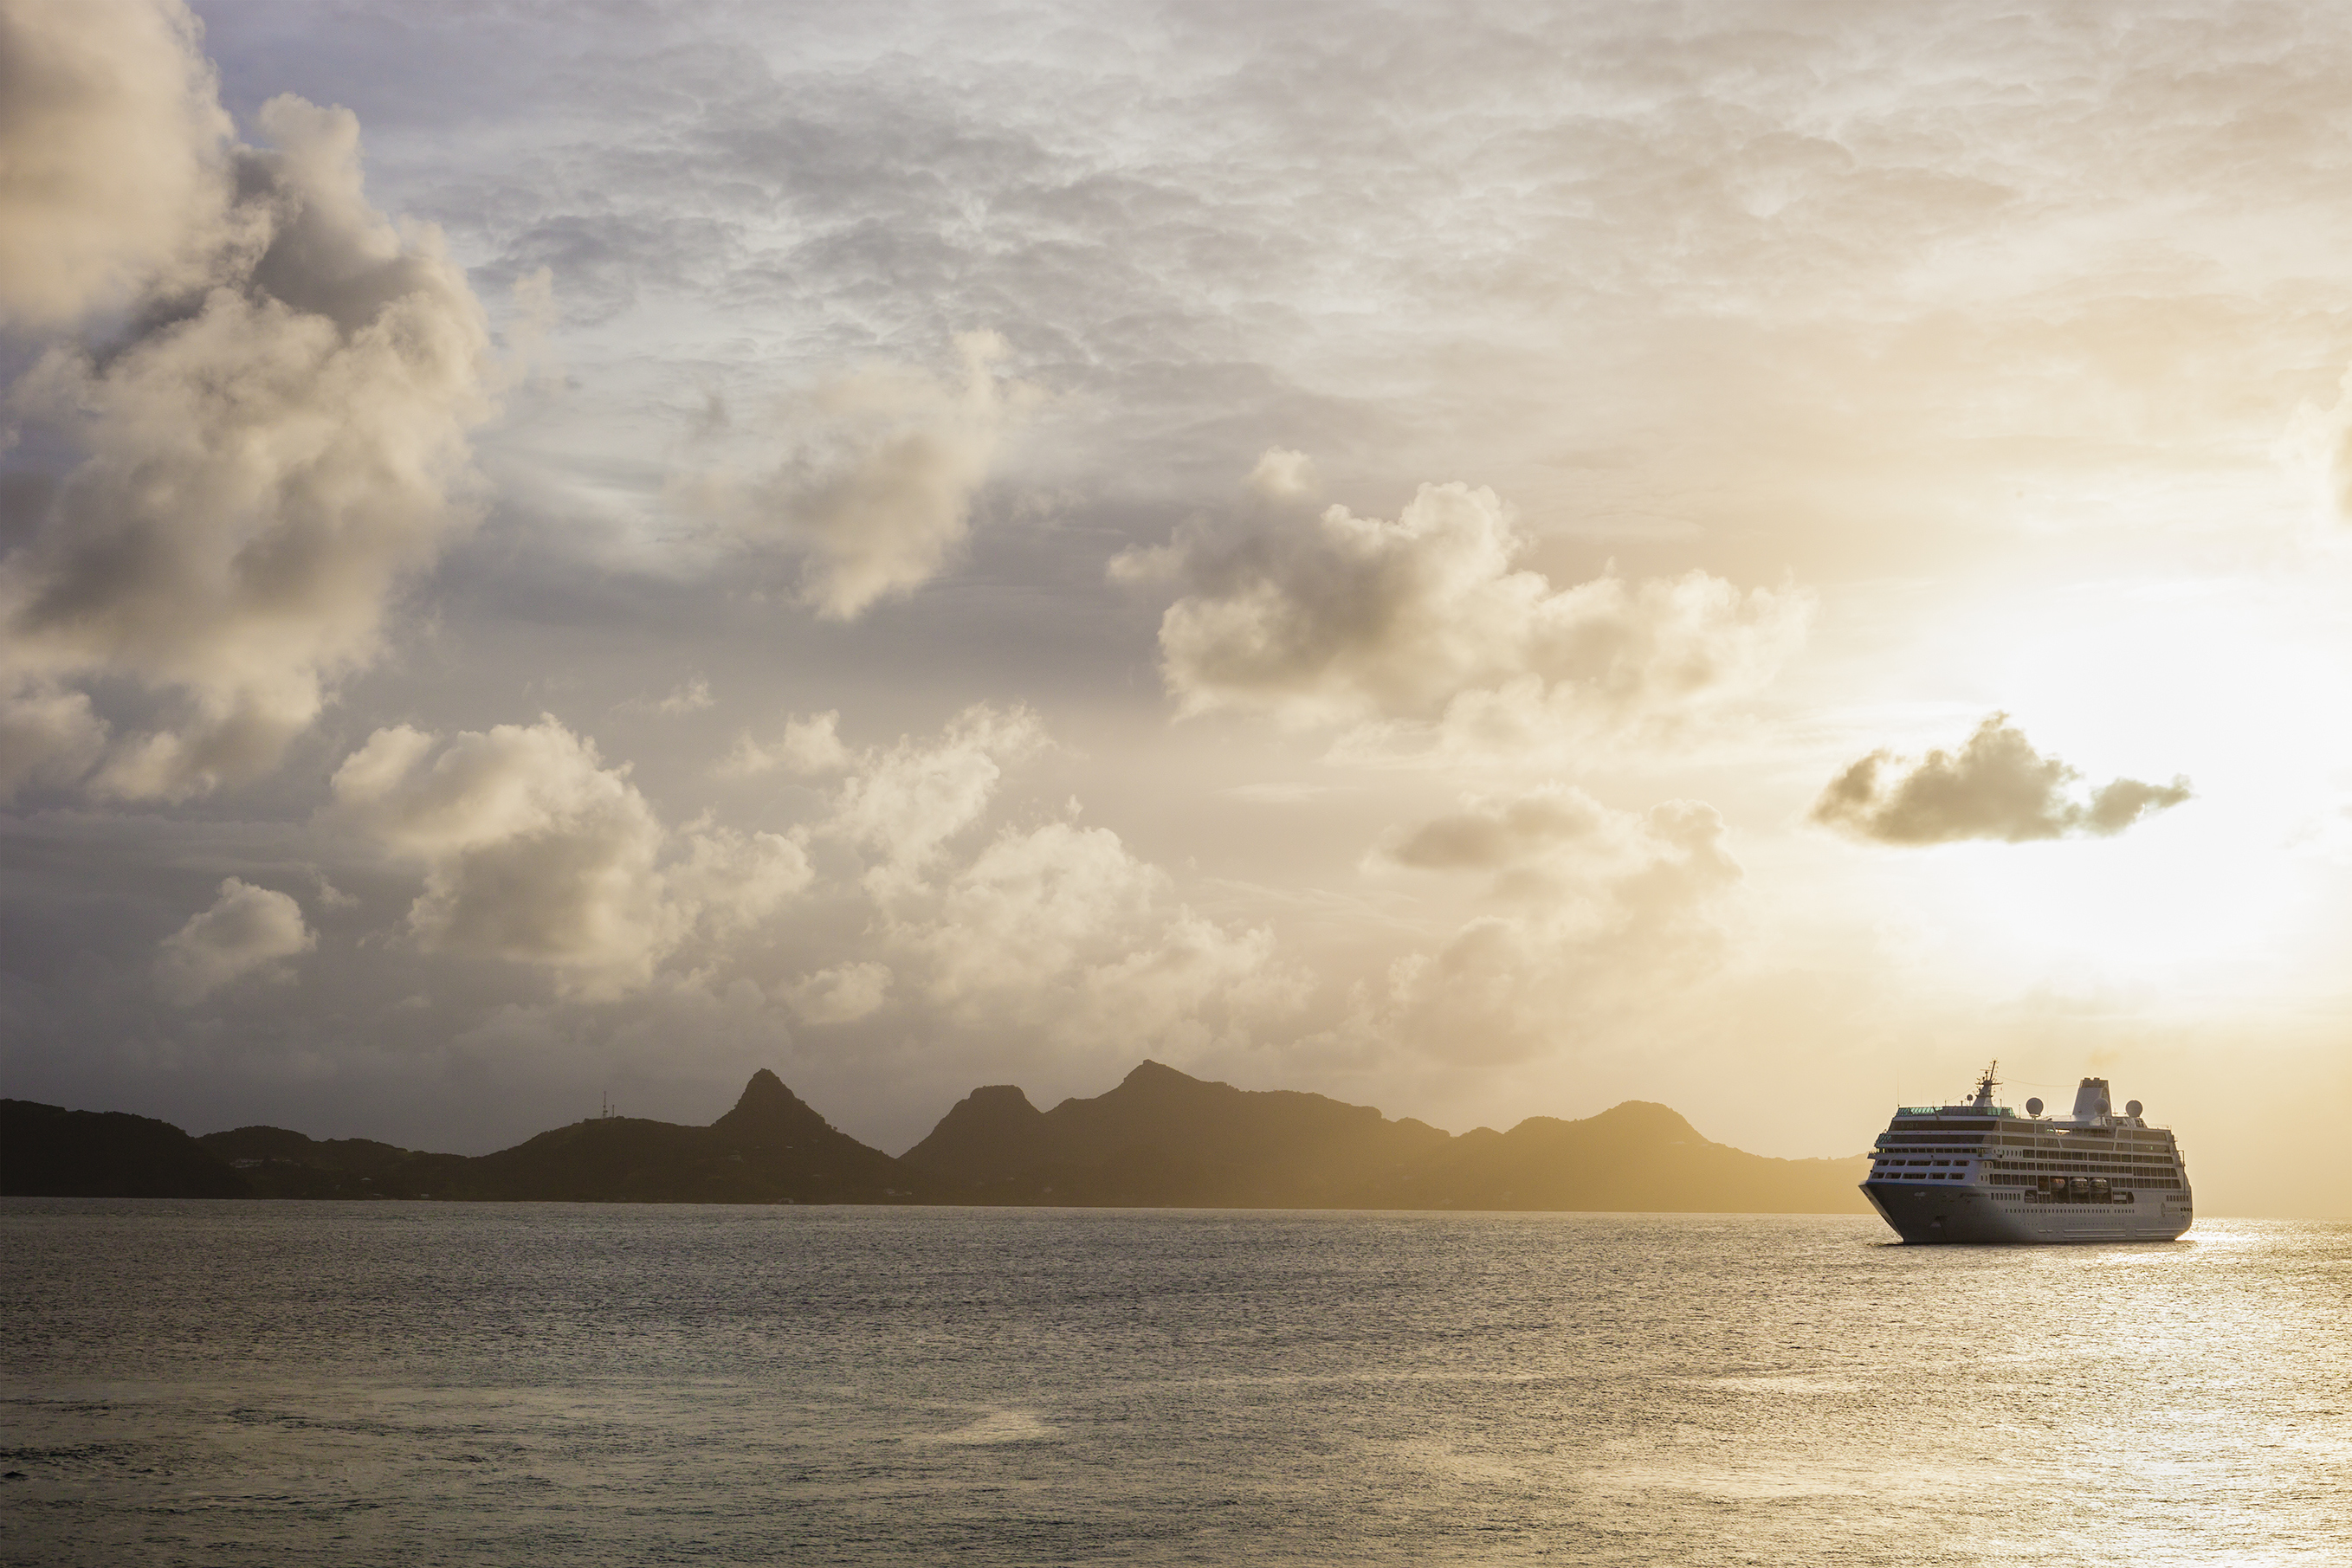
(314,1383)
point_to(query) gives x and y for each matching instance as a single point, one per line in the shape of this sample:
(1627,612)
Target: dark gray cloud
(1996,787)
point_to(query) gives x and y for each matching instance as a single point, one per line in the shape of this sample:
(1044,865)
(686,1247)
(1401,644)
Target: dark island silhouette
(1160,1139)
(46,1151)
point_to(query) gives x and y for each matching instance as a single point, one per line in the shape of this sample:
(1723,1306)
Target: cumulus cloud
(1031,902)
(1609,907)
(1063,931)
(905,803)
(273,447)
(534,850)
(844,993)
(1044,932)
(877,494)
(48,736)
(1509,836)
(808,746)
(113,154)
(1049,931)
(734,880)
(1997,787)
(1196,982)
(692,697)
(1424,630)
(248,931)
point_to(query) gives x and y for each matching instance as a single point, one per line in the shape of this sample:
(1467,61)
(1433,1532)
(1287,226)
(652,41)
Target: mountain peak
(1156,1083)
(767,1105)
(1649,1118)
(991,1129)
(766,1089)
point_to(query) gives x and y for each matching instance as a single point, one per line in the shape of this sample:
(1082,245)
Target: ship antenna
(1988,1084)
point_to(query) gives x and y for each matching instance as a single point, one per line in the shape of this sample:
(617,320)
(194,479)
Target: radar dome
(2033,1106)
(2132,1108)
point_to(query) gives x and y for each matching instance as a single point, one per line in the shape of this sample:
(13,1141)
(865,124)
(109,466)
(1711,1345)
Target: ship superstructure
(1979,1171)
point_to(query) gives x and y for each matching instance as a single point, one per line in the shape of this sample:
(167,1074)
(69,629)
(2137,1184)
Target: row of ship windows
(2181,1203)
(2152,1184)
(2126,1167)
(2133,1162)
(2047,1151)
(1904,1148)
(2040,1135)
(2086,1166)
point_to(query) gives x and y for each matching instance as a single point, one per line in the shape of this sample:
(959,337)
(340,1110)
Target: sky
(1484,560)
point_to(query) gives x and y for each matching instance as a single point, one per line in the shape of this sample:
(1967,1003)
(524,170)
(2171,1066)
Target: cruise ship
(1981,1172)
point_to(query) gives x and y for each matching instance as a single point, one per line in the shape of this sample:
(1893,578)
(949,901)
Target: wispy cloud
(876,495)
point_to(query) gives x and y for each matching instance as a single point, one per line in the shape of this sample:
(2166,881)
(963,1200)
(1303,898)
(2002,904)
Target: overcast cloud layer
(548,551)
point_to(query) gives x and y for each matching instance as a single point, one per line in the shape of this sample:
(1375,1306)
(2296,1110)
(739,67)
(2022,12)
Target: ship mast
(1988,1084)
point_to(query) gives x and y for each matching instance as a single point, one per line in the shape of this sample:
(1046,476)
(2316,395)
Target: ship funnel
(2090,1099)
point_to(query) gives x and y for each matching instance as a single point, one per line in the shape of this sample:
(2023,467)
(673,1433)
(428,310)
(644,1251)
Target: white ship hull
(1976,1171)
(1931,1212)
